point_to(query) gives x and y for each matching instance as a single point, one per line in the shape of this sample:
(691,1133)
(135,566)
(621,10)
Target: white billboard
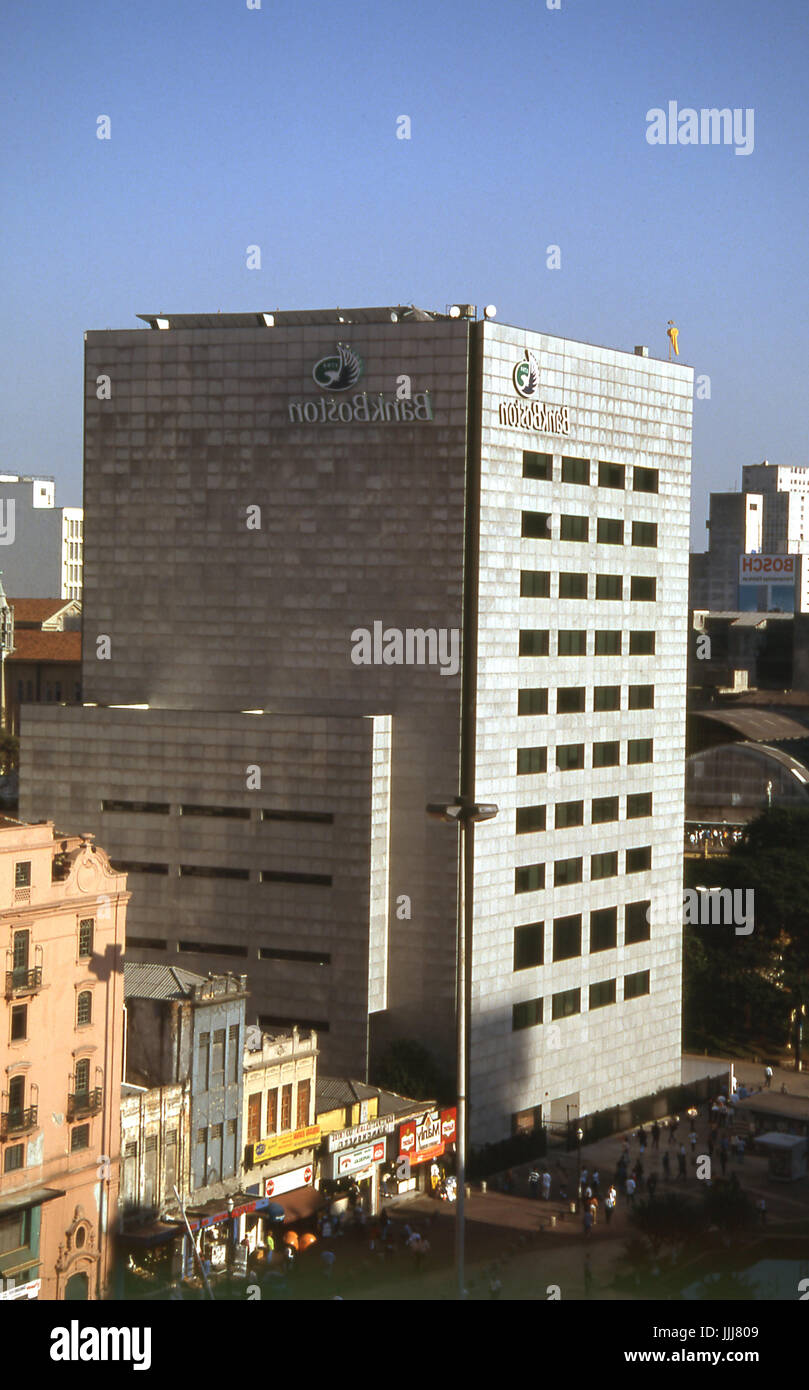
(767,569)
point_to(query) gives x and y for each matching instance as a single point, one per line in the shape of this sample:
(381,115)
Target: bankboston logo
(339,373)
(526,376)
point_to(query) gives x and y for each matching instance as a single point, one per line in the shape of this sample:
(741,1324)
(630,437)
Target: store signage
(422,1140)
(29,1290)
(362,410)
(344,1138)
(355,1159)
(289,1182)
(449,1125)
(530,413)
(763,569)
(279,1144)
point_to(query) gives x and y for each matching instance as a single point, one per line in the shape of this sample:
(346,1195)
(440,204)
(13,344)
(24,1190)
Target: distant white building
(749,531)
(40,543)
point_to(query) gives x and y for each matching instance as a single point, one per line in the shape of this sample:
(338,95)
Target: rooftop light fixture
(490,311)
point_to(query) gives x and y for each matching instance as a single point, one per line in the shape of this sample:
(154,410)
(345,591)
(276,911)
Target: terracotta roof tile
(32,645)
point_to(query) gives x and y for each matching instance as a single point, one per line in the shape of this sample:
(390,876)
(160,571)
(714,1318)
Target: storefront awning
(215,1211)
(303,1202)
(29,1197)
(152,1233)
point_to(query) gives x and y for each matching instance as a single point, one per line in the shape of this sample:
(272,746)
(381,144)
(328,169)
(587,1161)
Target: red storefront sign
(421,1141)
(449,1125)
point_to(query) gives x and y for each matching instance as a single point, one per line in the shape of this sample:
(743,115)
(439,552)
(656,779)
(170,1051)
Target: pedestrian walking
(594,1181)
(639,1171)
(609,1204)
(673,1128)
(666,1165)
(327,1258)
(740,1149)
(768,1077)
(533,1183)
(655,1135)
(546,1185)
(642,1139)
(630,1191)
(588,1223)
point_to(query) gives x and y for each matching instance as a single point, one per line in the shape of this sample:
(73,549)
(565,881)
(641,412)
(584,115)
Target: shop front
(425,1153)
(350,1168)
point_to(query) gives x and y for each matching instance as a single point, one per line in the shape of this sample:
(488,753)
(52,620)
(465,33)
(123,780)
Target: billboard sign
(766,569)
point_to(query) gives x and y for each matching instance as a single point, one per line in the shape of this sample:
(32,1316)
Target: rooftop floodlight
(161,323)
(268,320)
(455,311)
(490,311)
(394,317)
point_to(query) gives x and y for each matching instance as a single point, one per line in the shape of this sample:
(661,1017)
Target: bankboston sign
(530,413)
(362,410)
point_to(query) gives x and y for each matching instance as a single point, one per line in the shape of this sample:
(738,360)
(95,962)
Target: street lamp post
(579,1137)
(464,813)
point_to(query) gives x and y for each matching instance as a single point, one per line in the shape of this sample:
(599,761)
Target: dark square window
(569,813)
(609,586)
(532,701)
(638,805)
(566,1003)
(530,760)
(530,818)
(22,875)
(611,474)
(638,860)
(575,470)
(610,531)
(641,643)
(641,697)
(570,699)
(604,865)
(636,922)
(574,528)
(607,754)
(534,642)
(637,984)
(644,533)
(643,589)
(570,757)
(607,697)
(86,937)
(536,526)
(19,1022)
(535,583)
(79,1138)
(537,465)
(567,871)
(604,808)
(572,642)
(608,643)
(602,993)
(639,750)
(645,479)
(572,585)
(529,879)
(567,937)
(529,947)
(526,1014)
(603,928)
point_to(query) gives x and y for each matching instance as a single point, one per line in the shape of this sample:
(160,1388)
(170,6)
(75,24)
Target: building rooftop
(31,644)
(295,318)
(333,1092)
(154,981)
(37,610)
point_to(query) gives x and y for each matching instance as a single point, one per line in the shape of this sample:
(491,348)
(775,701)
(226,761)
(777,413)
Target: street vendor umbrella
(291,1238)
(307,1240)
(275,1211)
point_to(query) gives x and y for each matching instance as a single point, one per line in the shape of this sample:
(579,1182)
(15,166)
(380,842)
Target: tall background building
(40,544)
(340,563)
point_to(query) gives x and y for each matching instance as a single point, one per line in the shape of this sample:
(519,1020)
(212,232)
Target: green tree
(410,1070)
(9,752)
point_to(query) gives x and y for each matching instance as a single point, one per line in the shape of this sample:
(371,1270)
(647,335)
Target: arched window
(84,1007)
(16,1095)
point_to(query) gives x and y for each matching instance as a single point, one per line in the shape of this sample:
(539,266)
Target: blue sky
(277,127)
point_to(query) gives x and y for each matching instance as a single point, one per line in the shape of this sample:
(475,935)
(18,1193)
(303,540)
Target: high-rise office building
(40,543)
(340,564)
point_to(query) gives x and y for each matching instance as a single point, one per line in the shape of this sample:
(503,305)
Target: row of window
(570,756)
(140,866)
(14,1154)
(579,471)
(529,940)
(575,584)
(52,692)
(163,808)
(264,1118)
(537,526)
(227,948)
(21,945)
(573,642)
(530,878)
(572,699)
(531,819)
(568,1001)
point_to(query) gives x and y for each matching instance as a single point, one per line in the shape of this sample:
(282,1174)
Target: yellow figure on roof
(673,333)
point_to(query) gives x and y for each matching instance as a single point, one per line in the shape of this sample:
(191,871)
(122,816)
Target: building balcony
(14,1122)
(80,1104)
(23,981)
